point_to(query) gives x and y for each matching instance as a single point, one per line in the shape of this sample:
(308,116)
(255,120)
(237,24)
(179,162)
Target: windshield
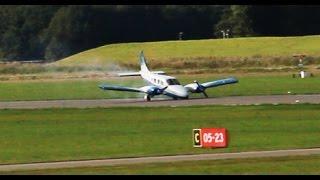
(173,82)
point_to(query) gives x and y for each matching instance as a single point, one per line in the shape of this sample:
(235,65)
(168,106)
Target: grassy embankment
(73,134)
(254,54)
(208,54)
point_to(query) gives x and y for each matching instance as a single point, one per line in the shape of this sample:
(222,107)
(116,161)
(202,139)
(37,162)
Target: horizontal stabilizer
(219,82)
(129,74)
(158,72)
(138,73)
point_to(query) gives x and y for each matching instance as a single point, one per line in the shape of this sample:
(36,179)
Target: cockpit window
(173,82)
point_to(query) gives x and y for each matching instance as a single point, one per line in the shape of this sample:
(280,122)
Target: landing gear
(147,97)
(205,94)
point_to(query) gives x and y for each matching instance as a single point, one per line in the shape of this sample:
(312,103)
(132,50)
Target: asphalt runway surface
(157,159)
(230,100)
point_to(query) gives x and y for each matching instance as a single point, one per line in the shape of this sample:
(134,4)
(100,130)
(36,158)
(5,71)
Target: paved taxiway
(231,100)
(157,159)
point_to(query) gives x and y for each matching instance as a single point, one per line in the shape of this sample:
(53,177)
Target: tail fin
(143,63)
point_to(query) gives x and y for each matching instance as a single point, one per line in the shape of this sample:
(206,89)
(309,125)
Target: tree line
(52,32)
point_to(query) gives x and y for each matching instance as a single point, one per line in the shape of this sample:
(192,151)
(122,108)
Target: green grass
(88,89)
(73,134)
(166,51)
(253,54)
(291,165)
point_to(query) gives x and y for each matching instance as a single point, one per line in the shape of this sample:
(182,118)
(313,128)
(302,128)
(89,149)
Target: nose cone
(178,90)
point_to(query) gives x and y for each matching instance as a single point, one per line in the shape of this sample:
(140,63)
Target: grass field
(251,54)
(292,165)
(88,88)
(169,52)
(74,134)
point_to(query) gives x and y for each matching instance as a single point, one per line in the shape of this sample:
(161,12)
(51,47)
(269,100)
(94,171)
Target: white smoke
(112,70)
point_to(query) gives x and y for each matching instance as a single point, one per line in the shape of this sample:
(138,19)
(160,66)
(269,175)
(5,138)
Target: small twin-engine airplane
(167,85)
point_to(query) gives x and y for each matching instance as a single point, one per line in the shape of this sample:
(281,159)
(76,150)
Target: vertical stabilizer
(143,63)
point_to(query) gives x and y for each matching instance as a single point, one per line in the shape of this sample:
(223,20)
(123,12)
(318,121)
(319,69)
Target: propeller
(201,89)
(157,91)
(164,88)
(154,91)
(160,91)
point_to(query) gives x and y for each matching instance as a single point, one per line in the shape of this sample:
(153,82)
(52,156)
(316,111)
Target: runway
(157,159)
(230,100)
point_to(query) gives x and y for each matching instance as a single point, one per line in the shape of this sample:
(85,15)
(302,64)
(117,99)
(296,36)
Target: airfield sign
(210,137)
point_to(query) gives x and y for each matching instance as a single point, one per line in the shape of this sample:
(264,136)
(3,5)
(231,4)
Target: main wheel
(147,98)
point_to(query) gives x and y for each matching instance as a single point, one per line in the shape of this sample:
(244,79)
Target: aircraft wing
(119,88)
(150,90)
(201,88)
(220,82)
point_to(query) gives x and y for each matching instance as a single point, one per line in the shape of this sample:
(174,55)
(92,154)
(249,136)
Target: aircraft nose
(182,92)
(178,91)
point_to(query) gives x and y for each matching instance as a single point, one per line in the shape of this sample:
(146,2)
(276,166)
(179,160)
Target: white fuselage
(174,88)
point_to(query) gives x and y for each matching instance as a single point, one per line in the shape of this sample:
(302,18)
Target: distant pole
(180,35)
(223,34)
(302,73)
(300,57)
(227,34)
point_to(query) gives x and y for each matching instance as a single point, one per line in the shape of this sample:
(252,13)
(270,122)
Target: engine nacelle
(195,88)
